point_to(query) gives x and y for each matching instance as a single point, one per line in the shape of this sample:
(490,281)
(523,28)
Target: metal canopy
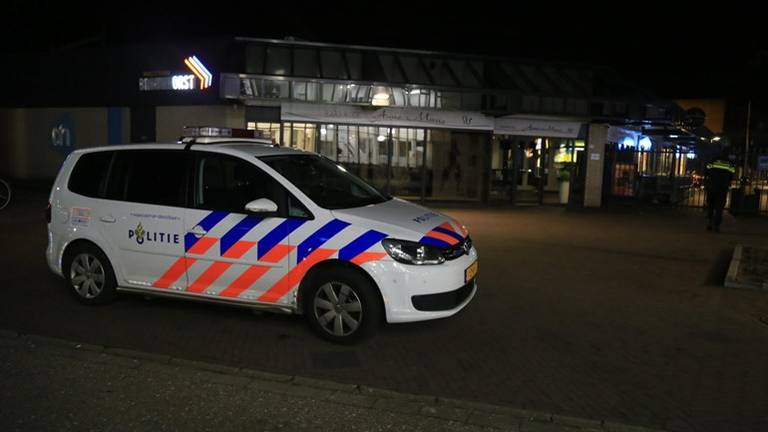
(299,59)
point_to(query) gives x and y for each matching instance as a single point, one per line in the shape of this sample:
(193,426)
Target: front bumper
(444,301)
(420,293)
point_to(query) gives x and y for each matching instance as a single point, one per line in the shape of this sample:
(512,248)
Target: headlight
(408,252)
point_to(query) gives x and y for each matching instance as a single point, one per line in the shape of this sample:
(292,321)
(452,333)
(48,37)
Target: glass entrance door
(521,169)
(531,174)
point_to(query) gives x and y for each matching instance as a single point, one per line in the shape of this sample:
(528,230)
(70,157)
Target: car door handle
(107,219)
(198,231)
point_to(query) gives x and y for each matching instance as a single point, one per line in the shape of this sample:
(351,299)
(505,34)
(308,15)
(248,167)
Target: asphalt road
(597,314)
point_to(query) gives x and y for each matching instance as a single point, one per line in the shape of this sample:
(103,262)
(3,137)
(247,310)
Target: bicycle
(5,193)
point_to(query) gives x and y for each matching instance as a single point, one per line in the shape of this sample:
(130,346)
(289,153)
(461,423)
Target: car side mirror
(261,205)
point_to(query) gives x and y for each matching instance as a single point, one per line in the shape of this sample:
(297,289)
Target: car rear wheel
(89,275)
(343,306)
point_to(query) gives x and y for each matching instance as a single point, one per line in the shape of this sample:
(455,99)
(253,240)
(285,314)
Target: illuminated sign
(182,81)
(202,73)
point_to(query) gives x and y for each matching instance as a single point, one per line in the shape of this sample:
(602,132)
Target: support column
(595,148)
(486,160)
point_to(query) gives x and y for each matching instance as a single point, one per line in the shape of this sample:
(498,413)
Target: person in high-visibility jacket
(717,182)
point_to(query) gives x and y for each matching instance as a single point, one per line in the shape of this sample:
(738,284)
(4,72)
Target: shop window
(304,91)
(531,104)
(449,100)
(334,93)
(305,62)
(454,165)
(328,133)
(461,69)
(421,98)
(299,90)
(407,157)
(278,61)
(275,89)
(414,70)
(313,90)
(372,162)
(254,59)
(432,101)
(553,105)
(498,102)
(248,88)
(391,69)
(358,94)
(471,101)
(348,150)
(576,106)
(355,64)
(272,129)
(398,96)
(333,65)
(300,135)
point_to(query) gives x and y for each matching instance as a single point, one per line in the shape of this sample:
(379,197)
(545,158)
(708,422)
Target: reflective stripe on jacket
(718,164)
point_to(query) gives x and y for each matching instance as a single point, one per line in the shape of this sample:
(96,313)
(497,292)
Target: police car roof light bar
(221,132)
(191,133)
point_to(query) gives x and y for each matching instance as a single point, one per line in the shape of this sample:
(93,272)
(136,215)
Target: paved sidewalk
(616,313)
(54,384)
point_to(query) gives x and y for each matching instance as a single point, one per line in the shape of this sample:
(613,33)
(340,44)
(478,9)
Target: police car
(219,217)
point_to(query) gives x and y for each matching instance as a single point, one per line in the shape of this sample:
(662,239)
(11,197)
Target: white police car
(240,221)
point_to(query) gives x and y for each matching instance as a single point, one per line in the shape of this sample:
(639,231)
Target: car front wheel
(343,306)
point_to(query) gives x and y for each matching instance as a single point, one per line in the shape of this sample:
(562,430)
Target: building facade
(416,124)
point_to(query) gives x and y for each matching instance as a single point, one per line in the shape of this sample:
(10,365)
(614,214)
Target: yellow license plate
(470,272)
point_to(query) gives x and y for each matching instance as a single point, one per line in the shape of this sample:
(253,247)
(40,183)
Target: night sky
(676,51)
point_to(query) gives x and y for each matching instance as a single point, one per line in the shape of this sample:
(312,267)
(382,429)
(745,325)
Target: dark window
(229,183)
(149,177)
(117,175)
(90,174)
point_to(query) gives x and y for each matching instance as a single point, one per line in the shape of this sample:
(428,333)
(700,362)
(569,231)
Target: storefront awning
(428,118)
(404,117)
(536,127)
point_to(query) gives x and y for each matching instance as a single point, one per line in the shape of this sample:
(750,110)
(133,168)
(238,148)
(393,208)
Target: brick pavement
(55,384)
(592,314)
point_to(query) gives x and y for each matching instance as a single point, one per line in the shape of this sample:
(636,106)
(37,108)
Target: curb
(493,417)
(734,277)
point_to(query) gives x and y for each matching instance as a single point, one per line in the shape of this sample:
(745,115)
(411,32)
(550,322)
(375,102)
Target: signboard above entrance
(406,117)
(536,127)
(200,78)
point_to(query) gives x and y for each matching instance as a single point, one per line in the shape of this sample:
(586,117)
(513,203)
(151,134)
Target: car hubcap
(338,309)
(87,276)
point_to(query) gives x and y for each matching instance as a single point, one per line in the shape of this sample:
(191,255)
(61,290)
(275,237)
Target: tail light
(48,213)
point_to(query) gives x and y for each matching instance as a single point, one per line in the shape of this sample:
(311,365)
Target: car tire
(89,275)
(343,306)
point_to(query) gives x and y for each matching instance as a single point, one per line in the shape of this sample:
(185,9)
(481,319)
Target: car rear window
(90,173)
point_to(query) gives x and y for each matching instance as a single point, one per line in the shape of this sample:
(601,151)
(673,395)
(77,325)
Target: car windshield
(325,182)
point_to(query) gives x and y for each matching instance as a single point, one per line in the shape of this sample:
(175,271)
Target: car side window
(89,175)
(149,177)
(228,183)
(297,210)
